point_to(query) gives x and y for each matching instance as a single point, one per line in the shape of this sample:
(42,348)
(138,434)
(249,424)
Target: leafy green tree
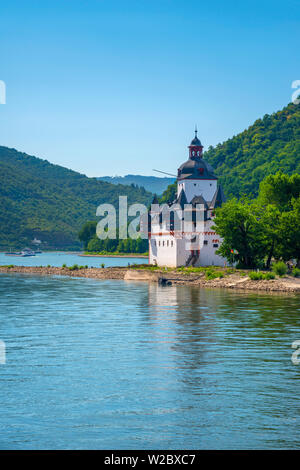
(117,246)
(95,245)
(87,232)
(126,245)
(120,247)
(279,268)
(271,231)
(110,245)
(281,220)
(238,223)
(169,195)
(141,245)
(279,189)
(266,228)
(290,240)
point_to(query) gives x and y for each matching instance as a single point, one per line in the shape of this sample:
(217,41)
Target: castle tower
(191,241)
(196,177)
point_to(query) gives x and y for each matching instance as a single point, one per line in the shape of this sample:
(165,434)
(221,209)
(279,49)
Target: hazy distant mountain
(153,184)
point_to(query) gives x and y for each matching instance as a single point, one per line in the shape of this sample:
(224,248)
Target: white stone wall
(182,252)
(192,188)
(172,251)
(209,242)
(163,253)
(163,250)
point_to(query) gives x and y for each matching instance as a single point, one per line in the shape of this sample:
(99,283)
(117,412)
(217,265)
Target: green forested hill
(39,199)
(269,145)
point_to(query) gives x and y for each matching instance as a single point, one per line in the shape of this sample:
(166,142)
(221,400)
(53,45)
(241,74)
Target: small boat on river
(23,253)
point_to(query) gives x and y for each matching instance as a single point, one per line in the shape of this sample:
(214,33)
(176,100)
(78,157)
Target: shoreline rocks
(234,281)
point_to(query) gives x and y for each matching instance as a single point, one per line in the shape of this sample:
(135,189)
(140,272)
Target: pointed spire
(199,200)
(196,142)
(155,200)
(218,198)
(182,200)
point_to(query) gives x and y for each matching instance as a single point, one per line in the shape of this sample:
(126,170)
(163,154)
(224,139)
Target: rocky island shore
(230,280)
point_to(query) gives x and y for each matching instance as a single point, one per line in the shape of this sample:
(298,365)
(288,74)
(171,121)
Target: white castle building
(180,232)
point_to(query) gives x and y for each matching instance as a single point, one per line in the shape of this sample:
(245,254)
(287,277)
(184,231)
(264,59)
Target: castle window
(159,243)
(215,245)
(171,242)
(163,243)
(168,243)
(205,242)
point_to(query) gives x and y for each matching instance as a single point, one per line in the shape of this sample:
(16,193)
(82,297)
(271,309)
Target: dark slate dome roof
(196,142)
(196,169)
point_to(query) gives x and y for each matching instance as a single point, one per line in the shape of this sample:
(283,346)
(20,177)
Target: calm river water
(112,364)
(56,258)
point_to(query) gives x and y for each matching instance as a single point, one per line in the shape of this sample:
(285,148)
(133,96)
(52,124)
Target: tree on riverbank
(93,244)
(87,232)
(266,227)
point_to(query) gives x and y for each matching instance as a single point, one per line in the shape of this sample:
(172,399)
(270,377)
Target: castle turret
(196,148)
(196,177)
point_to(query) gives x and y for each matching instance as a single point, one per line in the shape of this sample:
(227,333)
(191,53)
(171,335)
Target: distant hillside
(49,202)
(150,183)
(269,145)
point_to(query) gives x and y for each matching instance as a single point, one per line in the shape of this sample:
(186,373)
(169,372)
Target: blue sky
(116,87)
